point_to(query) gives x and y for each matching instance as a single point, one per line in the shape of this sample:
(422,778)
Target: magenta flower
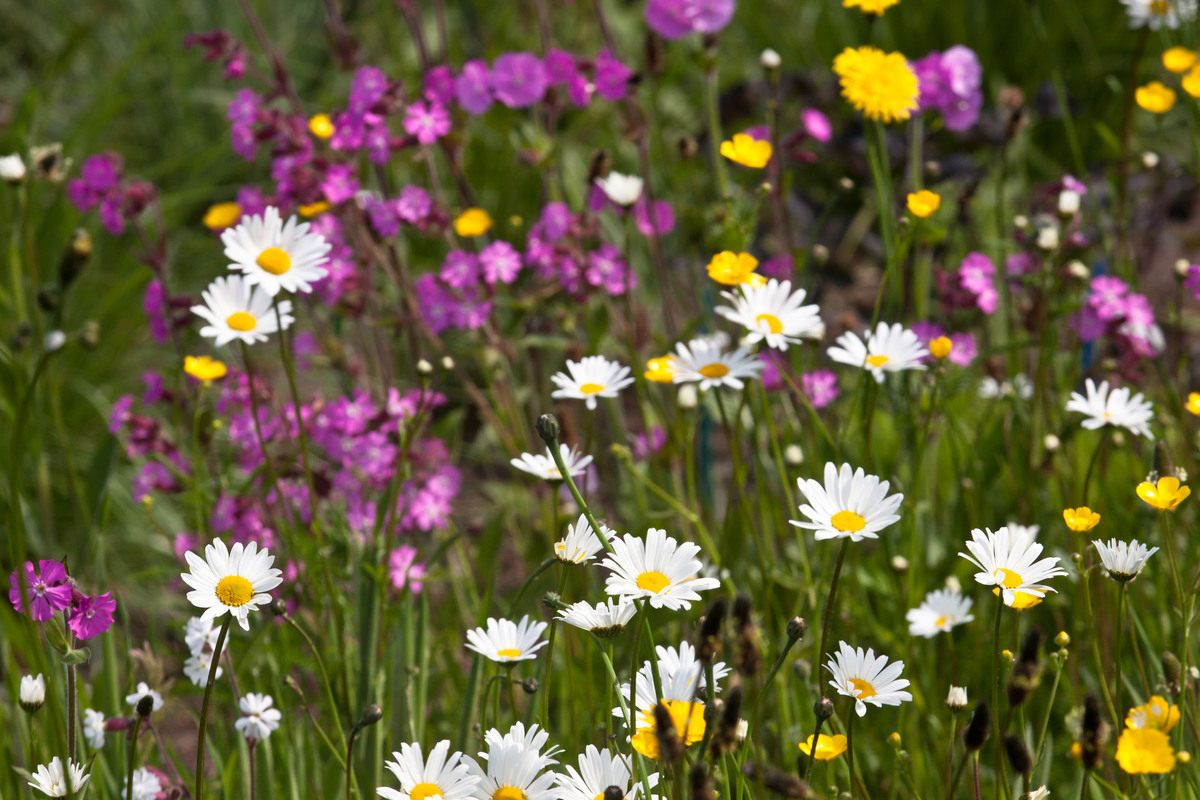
(816,125)
(649,443)
(369,86)
(413,205)
(501,263)
(46,587)
(674,19)
(781,267)
(612,77)
(426,121)
(473,87)
(663,220)
(560,67)
(92,616)
(950,84)
(963,349)
(439,85)
(460,270)
(608,269)
(518,79)
(340,184)
(820,386)
(403,569)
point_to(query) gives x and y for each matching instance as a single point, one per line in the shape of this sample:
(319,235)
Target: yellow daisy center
(591,388)
(865,689)
(241,321)
(274,261)
(716,370)
(847,522)
(772,322)
(234,590)
(509,652)
(653,581)
(424,790)
(1160,7)
(508,793)
(1008,579)
(940,621)
(877,361)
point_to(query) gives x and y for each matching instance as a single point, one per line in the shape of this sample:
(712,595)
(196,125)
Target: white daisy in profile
(258,718)
(940,611)
(1024,530)
(276,255)
(504,641)
(51,780)
(889,349)
(200,634)
(234,580)
(624,190)
(703,360)
(443,774)
(1117,408)
(598,770)
(581,543)
(849,504)
(1010,563)
(517,769)
(665,572)
(197,666)
(235,310)
(606,619)
(773,313)
(93,728)
(1123,560)
(866,678)
(143,690)
(681,675)
(543,466)
(589,378)
(146,785)
(1158,14)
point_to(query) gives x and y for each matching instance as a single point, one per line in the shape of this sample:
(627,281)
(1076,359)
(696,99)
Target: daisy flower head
(143,690)
(543,466)
(197,666)
(1123,560)
(598,770)
(1010,563)
(236,310)
(1157,14)
(681,676)
(505,641)
(849,504)
(1166,494)
(276,255)
(661,570)
(259,719)
(517,768)
(744,149)
(1081,519)
(705,361)
(443,774)
(606,620)
(581,543)
(93,728)
(589,378)
(941,610)
(867,679)
(891,348)
(623,190)
(828,747)
(146,785)
(1116,408)
(773,313)
(50,779)
(234,580)
(881,85)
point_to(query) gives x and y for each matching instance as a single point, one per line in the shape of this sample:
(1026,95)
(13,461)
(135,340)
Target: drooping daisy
(93,728)
(144,690)
(773,313)
(592,377)
(851,503)
(51,780)
(32,692)
(444,774)
(606,619)
(681,676)
(146,785)
(1116,408)
(517,768)
(236,580)
(889,349)
(1020,387)
(703,360)
(1016,529)
(624,190)
(941,610)
(880,85)
(866,678)
(543,466)
(581,543)
(200,634)
(1123,560)
(235,310)
(1159,13)
(505,641)
(1010,563)
(258,719)
(276,255)
(197,666)
(660,569)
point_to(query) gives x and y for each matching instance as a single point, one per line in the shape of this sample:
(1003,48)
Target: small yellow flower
(1166,496)
(1193,403)
(204,368)
(1075,751)
(923,203)
(1081,519)
(1191,81)
(1155,98)
(870,6)
(1157,713)
(1179,59)
(828,747)
(940,347)
(746,150)
(473,222)
(646,739)
(313,209)
(222,215)
(732,268)
(880,85)
(1145,750)
(660,370)
(321,126)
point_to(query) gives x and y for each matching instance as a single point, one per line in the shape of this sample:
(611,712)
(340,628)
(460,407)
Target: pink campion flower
(473,87)
(426,121)
(579,90)
(607,268)
(340,184)
(403,569)
(439,86)
(377,140)
(501,263)
(781,267)
(816,125)
(554,222)
(460,269)
(663,220)
(471,313)
(349,132)
(710,16)
(1107,297)
(382,216)
(47,588)
(120,414)
(92,616)
(674,19)
(413,205)
(820,387)
(435,302)
(518,79)
(612,77)
(649,443)
(963,349)
(154,304)
(976,274)
(369,86)
(560,67)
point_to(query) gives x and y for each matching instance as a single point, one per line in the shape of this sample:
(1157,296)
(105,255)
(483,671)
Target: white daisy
(704,360)
(1024,530)
(143,690)
(32,692)
(1116,408)
(1123,560)
(517,769)
(200,634)
(93,728)
(606,619)
(197,665)
(1159,13)
(12,168)
(505,641)
(1019,386)
(659,569)
(681,675)
(49,778)
(941,610)
(276,255)
(851,503)
(866,678)
(581,544)
(889,349)
(598,770)
(543,466)
(146,785)
(235,310)
(624,190)
(592,377)
(235,580)
(443,775)
(1010,563)
(773,313)
(258,719)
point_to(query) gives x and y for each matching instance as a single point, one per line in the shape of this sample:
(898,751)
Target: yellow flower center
(772,322)
(716,370)
(1008,579)
(653,581)
(424,790)
(241,321)
(234,590)
(591,388)
(508,793)
(1160,7)
(847,522)
(940,621)
(877,361)
(865,689)
(274,261)
(509,652)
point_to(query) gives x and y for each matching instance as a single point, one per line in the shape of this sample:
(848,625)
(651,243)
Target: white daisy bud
(624,190)
(957,698)
(1078,270)
(1041,793)
(769,59)
(899,563)
(1051,442)
(688,397)
(954,585)
(1068,203)
(1020,222)
(33,692)
(793,455)
(424,367)
(1149,160)
(1047,237)
(447,363)
(12,168)
(1183,267)
(54,341)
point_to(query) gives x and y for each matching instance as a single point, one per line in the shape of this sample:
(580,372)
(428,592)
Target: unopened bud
(894,739)
(710,631)
(956,699)
(54,341)
(900,564)
(1149,160)
(1183,757)
(89,334)
(547,428)
(820,254)
(424,367)
(279,607)
(530,685)
(145,705)
(845,184)
(1172,672)
(823,709)
(1068,203)
(32,692)
(793,455)
(1078,270)
(371,714)
(688,398)
(1020,222)
(74,257)
(1062,639)
(769,59)
(1051,443)
(1182,268)
(447,363)
(796,628)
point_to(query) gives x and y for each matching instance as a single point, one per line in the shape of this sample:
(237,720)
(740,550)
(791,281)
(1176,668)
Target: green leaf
(75,657)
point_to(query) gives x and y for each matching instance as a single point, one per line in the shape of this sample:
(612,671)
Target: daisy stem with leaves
(1001,776)
(208,690)
(1091,622)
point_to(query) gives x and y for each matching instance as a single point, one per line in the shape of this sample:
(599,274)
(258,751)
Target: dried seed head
(1091,740)
(776,780)
(1172,672)
(1018,754)
(710,631)
(700,784)
(669,744)
(1027,669)
(979,727)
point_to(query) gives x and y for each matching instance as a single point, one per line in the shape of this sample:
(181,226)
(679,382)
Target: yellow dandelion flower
(1157,714)
(204,368)
(473,222)
(660,370)
(646,739)
(732,268)
(1155,98)
(880,85)
(870,6)
(313,209)
(1179,59)
(1193,403)
(321,126)
(1191,81)
(940,347)
(746,150)
(222,215)
(1165,496)
(828,747)
(1145,750)
(924,203)
(1081,519)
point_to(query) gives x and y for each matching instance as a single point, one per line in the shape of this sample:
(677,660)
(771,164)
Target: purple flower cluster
(1111,309)
(164,313)
(647,444)
(412,206)
(49,590)
(674,19)
(100,184)
(404,570)
(220,46)
(344,284)
(972,285)
(519,80)
(950,83)
(820,387)
(457,297)
(555,250)
(363,124)
(963,348)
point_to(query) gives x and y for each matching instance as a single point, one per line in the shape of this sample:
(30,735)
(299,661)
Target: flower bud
(145,705)
(76,255)
(89,334)
(796,629)
(688,398)
(447,363)
(371,714)
(899,564)
(769,60)
(710,631)
(1182,268)
(530,685)
(1020,222)
(1078,270)
(547,428)
(1006,656)
(823,709)
(54,341)
(1027,670)
(1183,757)
(820,254)
(1062,639)
(424,367)
(1051,443)
(956,699)
(793,455)
(12,168)
(1018,754)
(1172,672)
(279,607)
(1068,203)
(1048,237)
(979,727)
(32,693)
(940,347)
(1149,160)
(894,739)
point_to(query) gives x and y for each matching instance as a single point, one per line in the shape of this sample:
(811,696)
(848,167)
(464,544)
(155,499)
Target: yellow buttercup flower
(1081,519)
(1179,59)
(222,215)
(732,268)
(880,85)
(204,368)
(1165,496)
(870,7)
(1145,750)
(1157,714)
(746,150)
(1191,81)
(473,222)
(660,370)
(645,741)
(313,209)
(940,347)
(923,203)
(1193,403)
(321,126)
(828,747)
(1155,98)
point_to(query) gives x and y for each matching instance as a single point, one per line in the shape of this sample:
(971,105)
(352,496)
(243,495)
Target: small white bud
(1068,203)
(1118,439)
(1183,267)
(424,367)
(770,59)
(12,169)
(1051,442)
(447,363)
(899,563)
(1149,160)
(953,584)
(957,698)
(54,341)
(1047,237)
(1021,222)
(688,398)
(1079,270)
(793,455)
(33,692)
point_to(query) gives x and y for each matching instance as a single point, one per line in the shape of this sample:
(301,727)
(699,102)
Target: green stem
(711,102)
(1001,778)
(828,618)
(137,725)
(208,690)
